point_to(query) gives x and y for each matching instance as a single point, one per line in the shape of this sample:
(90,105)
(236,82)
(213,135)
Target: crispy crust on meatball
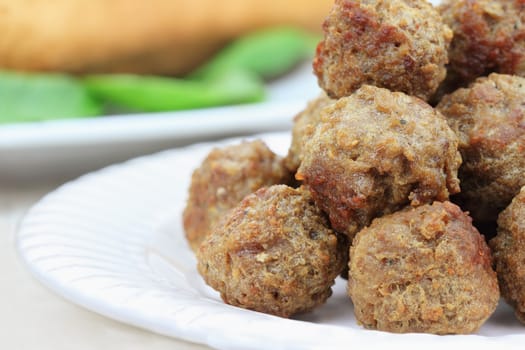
(424,269)
(489,119)
(396,44)
(274,253)
(223,179)
(508,249)
(489,36)
(303,128)
(376,151)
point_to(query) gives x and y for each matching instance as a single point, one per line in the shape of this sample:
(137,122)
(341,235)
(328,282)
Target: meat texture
(424,269)
(396,44)
(375,152)
(488,118)
(489,36)
(223,179)
(508,248)
(304,125)
(274,253)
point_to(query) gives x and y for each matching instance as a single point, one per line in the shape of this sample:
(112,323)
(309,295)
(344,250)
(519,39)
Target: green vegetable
(35,97)
(267,53)
(234,76)
(150,93)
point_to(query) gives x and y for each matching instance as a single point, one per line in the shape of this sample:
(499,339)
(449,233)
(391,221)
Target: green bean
(234,76)
(267,53)
(151,93)
(34,97)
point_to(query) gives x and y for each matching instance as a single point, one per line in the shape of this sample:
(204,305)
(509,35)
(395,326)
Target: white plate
(68,148)
(112,241)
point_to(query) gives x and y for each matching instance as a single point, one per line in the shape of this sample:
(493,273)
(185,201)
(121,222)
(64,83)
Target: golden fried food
(508,249)
(376,151)
(304,124)
(489,119)
(424,269)
(274,253)
(489,36)
(225,177)
(396,44)
(154,37)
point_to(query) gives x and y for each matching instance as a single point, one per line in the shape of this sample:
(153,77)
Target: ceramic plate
(112,241)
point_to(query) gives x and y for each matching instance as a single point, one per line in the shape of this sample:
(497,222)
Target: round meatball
(225,177)
(396,44)
(508,249)
(303,127)
(424,269)
(274,253)
(376,151)
(489,36)
(488,118)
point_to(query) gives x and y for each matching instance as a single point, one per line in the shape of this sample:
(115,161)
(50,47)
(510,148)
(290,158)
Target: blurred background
(87,83)
(153,37)
(84,84)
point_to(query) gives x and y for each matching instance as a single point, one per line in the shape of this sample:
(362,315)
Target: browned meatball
(303,127)
(225,177)
(489,36)
(508,249)
(424,269)
(488,118)
(274,253)
(376,151)
(397,44)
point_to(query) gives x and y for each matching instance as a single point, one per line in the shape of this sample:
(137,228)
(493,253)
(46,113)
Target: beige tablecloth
(32,317)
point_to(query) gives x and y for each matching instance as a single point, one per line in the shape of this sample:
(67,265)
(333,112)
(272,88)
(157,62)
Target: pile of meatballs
(416,145)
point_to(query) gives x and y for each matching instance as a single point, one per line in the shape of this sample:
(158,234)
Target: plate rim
(339,334)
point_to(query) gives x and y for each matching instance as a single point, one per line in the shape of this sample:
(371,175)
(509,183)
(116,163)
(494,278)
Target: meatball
(508,249)
(396,44)
(376,151)
(303,127)
(489,36)
(424,269)
(488,118)
(225,177)
(273,253)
